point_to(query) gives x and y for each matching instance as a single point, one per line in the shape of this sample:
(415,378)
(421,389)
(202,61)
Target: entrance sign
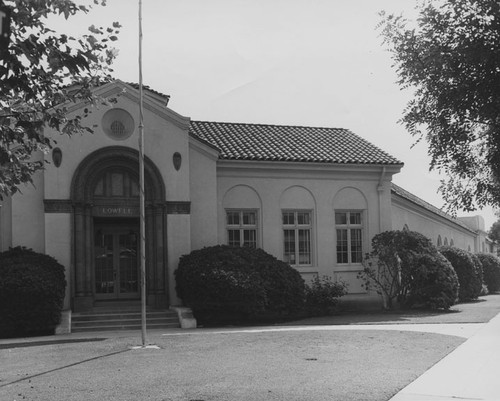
(115,211)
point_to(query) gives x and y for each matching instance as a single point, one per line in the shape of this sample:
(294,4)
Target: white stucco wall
(165,133)
(203,191)
(431,225)
(273,187)
(5,223)
(178,244)
(58,245)
(27,218)
(162,138)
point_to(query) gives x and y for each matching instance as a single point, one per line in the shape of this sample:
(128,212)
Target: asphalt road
(276,365)
(283,363)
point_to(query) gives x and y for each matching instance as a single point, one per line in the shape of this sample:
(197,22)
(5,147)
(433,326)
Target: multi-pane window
(241,228)
(349,237)
(297,229)
(117,183)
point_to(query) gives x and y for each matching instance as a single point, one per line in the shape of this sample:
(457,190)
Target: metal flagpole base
(145,347)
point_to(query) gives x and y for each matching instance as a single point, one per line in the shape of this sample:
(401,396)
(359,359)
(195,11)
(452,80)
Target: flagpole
(142,245)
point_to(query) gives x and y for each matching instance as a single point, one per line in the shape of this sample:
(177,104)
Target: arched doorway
(105,197)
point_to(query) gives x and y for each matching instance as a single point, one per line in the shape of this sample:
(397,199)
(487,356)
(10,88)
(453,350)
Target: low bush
(233,284)
(32,287)
(433,284)
(469,272)
(491,271)
(323,295)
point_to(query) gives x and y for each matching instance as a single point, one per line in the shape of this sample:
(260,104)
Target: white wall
(431,225)
(28,225)
(272,187)
(5,224)
(203,191)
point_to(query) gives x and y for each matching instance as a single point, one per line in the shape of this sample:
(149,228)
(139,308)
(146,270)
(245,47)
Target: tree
(451,58)
(494,232)
(42,72)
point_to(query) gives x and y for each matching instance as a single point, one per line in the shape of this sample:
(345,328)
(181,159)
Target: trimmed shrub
(468,269)
(323,295)
(491,271)
(433,284)
(32,289)
(390,267)
(233,284)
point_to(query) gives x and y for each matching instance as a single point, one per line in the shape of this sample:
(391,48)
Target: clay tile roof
(148,89)
(403,193)
(238,141)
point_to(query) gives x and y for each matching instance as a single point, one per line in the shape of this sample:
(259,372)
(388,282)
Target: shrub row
(233,284)
(224,284)
(406,266)
(491,271)
(32,287)
(468,269)
(227,284)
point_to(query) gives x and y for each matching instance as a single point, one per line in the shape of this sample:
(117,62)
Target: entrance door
(116,263)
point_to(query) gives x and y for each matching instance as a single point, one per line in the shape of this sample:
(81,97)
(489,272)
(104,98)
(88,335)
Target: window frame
(296,228)
(241,227)
(348,227)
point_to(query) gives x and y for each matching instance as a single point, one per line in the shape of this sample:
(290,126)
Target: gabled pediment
(152,101)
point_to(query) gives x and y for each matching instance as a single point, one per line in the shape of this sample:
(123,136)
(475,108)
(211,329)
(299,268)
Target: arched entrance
(105,197)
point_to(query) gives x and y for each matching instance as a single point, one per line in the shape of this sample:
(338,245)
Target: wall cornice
(267,169)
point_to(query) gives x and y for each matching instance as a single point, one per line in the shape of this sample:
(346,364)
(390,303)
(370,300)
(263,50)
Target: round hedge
(400,248)
(32,287)
(469,272)
(406,266)
(434,282)
(491,271)
(237,284)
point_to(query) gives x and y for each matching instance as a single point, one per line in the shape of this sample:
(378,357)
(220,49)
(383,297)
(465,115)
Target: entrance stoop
(122,315)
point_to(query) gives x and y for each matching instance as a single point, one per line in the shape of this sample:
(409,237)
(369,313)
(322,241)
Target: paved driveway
(296,362)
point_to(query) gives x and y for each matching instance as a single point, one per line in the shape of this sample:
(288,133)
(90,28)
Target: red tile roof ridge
(272,125)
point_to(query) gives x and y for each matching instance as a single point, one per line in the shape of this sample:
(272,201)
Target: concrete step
(105,319)
(122,315)
(123,327)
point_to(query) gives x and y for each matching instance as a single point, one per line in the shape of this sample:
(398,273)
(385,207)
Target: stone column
(82,255)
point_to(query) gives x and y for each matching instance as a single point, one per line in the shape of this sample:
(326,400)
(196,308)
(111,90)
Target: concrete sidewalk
(470,372)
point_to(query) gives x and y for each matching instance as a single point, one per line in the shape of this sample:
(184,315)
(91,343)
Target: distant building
(314,197)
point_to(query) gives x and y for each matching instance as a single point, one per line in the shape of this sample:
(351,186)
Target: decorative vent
(117,128)
(118,124)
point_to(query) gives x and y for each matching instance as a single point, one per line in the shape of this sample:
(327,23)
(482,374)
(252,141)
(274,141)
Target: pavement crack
(63,367)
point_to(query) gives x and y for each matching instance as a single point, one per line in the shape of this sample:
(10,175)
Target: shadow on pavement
(480,311)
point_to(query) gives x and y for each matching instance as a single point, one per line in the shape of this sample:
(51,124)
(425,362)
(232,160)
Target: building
(313,197)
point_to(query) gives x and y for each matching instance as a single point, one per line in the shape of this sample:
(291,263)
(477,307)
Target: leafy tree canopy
(494,232)
(41,71)
(450,56)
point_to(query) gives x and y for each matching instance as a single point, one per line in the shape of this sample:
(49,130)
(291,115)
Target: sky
(288,62)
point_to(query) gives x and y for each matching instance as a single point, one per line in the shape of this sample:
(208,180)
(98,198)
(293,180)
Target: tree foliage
(387,268)
(232,284)
(41,72)
(405,266)
(450,56)
(469,271)
(494,231)
(491,271)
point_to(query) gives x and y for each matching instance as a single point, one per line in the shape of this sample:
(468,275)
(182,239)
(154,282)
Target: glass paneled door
(116,263)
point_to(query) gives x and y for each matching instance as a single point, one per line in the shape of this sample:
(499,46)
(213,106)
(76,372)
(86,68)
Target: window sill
(348,267)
